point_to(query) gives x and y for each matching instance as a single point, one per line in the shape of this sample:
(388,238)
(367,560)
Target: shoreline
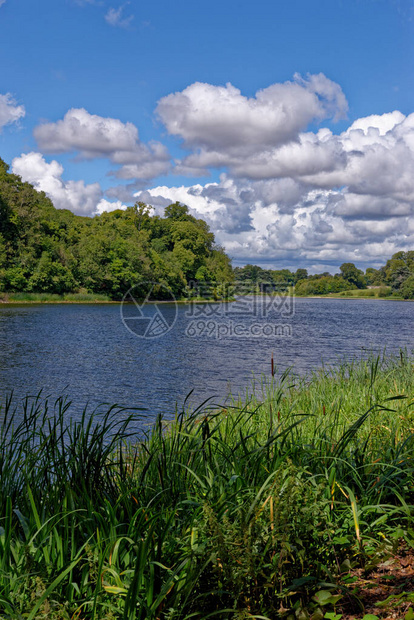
(36,302)
(352,297)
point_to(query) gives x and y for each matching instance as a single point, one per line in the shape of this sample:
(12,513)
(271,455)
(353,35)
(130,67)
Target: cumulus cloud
(380,124)
(74,195)
(115,17)
(288,223)
(225,126)
(291,193)
(10,112)
(265,138)
(93,136)
(294,193)
(124,193)
(373,158)
(219,203)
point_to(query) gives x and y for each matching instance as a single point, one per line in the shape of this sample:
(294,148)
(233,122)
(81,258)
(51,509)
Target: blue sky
(282,164)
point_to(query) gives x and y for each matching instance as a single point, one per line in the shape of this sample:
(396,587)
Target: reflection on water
(86,352)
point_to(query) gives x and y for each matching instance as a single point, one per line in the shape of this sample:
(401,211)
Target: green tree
(219,265)
(353,275)
(407,288)
(250,273)
(14,279)
(3,251)
(282,277)
(142,215)
(399,268)
(178,212)
(44,249)
(51,277)
(300,274)
(192,237)
(321,285)
(374,277)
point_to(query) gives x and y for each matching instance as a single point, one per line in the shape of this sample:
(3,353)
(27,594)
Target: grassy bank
(267,509)
(48,298)
(382,292)
(78,298)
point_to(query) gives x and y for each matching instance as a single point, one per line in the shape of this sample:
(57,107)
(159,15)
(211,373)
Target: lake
(153,358)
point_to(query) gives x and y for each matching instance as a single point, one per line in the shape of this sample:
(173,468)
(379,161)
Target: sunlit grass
(378,292)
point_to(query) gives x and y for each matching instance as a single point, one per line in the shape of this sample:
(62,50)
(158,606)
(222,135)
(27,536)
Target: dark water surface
(86,352)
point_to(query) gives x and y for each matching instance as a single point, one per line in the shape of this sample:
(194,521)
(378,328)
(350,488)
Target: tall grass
(236,512)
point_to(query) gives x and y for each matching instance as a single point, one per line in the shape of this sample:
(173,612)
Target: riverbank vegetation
(49,298)
(279,505)
(395,280)
(378,292)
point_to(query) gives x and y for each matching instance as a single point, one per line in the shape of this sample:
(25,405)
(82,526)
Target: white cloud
(114,17)
(10,112)
(383,123)
(291,195)
(106,205)
(74,195)
(369,167)
(225,126)
(124,193)
(373,158)
(309,154)
(286,222)
(2,2)
(93,136)
(294,193)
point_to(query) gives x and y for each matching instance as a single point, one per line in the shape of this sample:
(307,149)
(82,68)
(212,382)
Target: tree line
(396,277)
(49,250)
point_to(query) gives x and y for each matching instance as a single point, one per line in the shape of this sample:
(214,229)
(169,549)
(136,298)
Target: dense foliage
(48,250)
(398,272)
(396,277)
(256,277)
(350,277)
(262,509)
(321,285)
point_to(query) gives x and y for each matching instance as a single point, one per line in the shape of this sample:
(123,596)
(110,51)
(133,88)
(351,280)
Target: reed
(235,512)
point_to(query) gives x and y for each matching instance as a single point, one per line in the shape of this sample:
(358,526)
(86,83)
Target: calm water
(86,352)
